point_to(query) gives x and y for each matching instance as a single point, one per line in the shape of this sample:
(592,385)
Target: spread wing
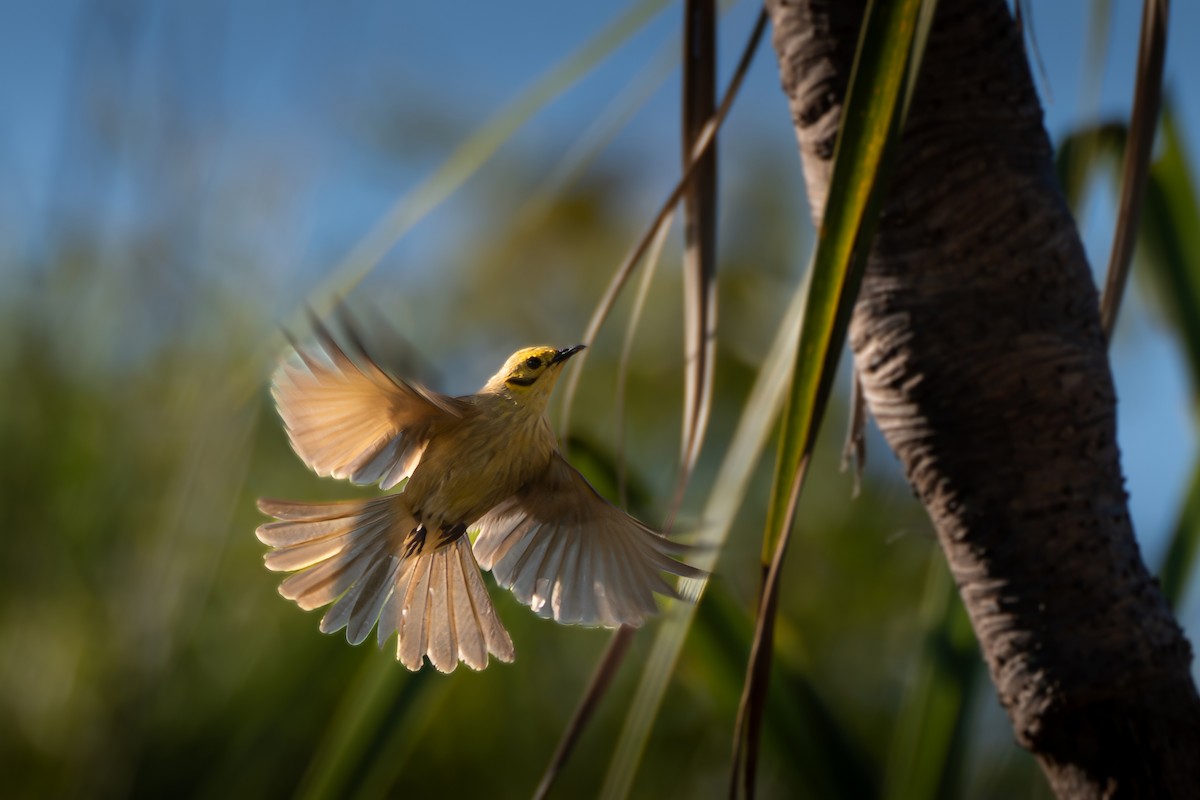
(348,418)
(570,554)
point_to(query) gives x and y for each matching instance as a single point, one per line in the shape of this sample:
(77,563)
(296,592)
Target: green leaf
(1171,244)
(868,135)
(1083,153)
(1180,559)
(1171,239)
(881,86)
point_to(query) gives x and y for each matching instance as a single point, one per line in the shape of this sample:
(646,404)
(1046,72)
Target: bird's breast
(467,471)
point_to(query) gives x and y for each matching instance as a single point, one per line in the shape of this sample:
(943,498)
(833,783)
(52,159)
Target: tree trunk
(977,338)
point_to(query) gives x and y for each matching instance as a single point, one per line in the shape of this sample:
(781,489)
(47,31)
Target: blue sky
(292,79)
(285,92)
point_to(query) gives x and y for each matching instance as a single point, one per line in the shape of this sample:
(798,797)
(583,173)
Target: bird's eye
(533,362)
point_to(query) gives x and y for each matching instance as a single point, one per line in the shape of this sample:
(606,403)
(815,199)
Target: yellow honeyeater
(488,461)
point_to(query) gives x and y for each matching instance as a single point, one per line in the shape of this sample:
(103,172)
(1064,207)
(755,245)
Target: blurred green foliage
(145,649)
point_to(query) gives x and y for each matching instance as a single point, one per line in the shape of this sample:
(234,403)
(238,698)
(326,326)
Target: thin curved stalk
(635,316)
(622,273)
(356,719)
(1147,101)
(606,670)
(699,230)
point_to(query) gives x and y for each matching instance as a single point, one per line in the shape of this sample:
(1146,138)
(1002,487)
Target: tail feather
(358,609)
(308,512)
(328,580)
(472,630)
(350,555)
(302,544)
(391,614)
(299,556)
(442,644)
(414,617)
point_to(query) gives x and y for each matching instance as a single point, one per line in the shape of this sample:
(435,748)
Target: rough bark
(977,337)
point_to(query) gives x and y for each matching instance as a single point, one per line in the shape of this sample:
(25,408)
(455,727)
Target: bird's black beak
(566,352)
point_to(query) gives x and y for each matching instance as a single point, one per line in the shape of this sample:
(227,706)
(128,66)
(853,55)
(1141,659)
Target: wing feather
(569,554)
(545,574)
(569,606)
(494,635)
(346,417)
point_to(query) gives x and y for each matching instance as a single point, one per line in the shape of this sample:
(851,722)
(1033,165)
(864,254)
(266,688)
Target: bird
(404,563)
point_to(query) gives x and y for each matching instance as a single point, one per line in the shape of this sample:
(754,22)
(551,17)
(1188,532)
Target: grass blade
(699,227)
(1095,57)
(930,734)
(459,167)
(614,655)
(880,90)
(854,451)
(822,751)
(733,477)
(353,726)
(598,135)
(1180,559)
(1147,100)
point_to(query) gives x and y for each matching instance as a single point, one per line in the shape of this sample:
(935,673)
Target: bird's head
(529,375)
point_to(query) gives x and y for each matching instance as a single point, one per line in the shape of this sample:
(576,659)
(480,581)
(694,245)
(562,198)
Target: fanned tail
(351,554)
